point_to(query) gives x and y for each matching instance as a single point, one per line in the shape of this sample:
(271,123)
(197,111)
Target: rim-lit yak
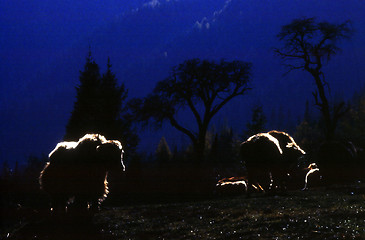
(273,162)
(76,174)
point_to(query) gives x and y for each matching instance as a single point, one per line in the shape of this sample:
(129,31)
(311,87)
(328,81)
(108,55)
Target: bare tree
(308,45)
(203,87)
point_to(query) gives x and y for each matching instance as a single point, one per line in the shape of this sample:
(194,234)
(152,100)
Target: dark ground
(322,213)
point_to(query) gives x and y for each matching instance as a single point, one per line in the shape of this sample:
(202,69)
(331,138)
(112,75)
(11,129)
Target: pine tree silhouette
(99,107)
(112,97)
(163,152)
(258,121)
(87,108)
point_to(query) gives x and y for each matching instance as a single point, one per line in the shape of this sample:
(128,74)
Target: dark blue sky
(43,45)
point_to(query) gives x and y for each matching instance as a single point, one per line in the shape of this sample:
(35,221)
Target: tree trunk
(199,146)
(199,150)
(330,124)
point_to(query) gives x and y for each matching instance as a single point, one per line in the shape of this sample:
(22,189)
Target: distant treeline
(169,172)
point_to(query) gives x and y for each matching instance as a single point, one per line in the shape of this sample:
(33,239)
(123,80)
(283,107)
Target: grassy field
(338,213)
(335,213)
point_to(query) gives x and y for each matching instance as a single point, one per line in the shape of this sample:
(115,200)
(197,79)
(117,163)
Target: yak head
(111,154)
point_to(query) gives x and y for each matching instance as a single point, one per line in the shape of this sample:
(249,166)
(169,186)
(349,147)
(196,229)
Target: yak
(77,172)
(274,161)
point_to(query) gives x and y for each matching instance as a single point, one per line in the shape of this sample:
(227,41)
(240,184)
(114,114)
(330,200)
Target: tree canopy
(99,107)
(201,86)
(308,45)
(85,115)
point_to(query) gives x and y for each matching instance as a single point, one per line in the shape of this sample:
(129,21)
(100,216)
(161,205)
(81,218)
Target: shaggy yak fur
(273,160)
(77,171)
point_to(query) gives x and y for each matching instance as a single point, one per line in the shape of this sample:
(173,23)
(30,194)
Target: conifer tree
(99,107)
(112,97)
(86,112)
(163,152)
(258,121)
